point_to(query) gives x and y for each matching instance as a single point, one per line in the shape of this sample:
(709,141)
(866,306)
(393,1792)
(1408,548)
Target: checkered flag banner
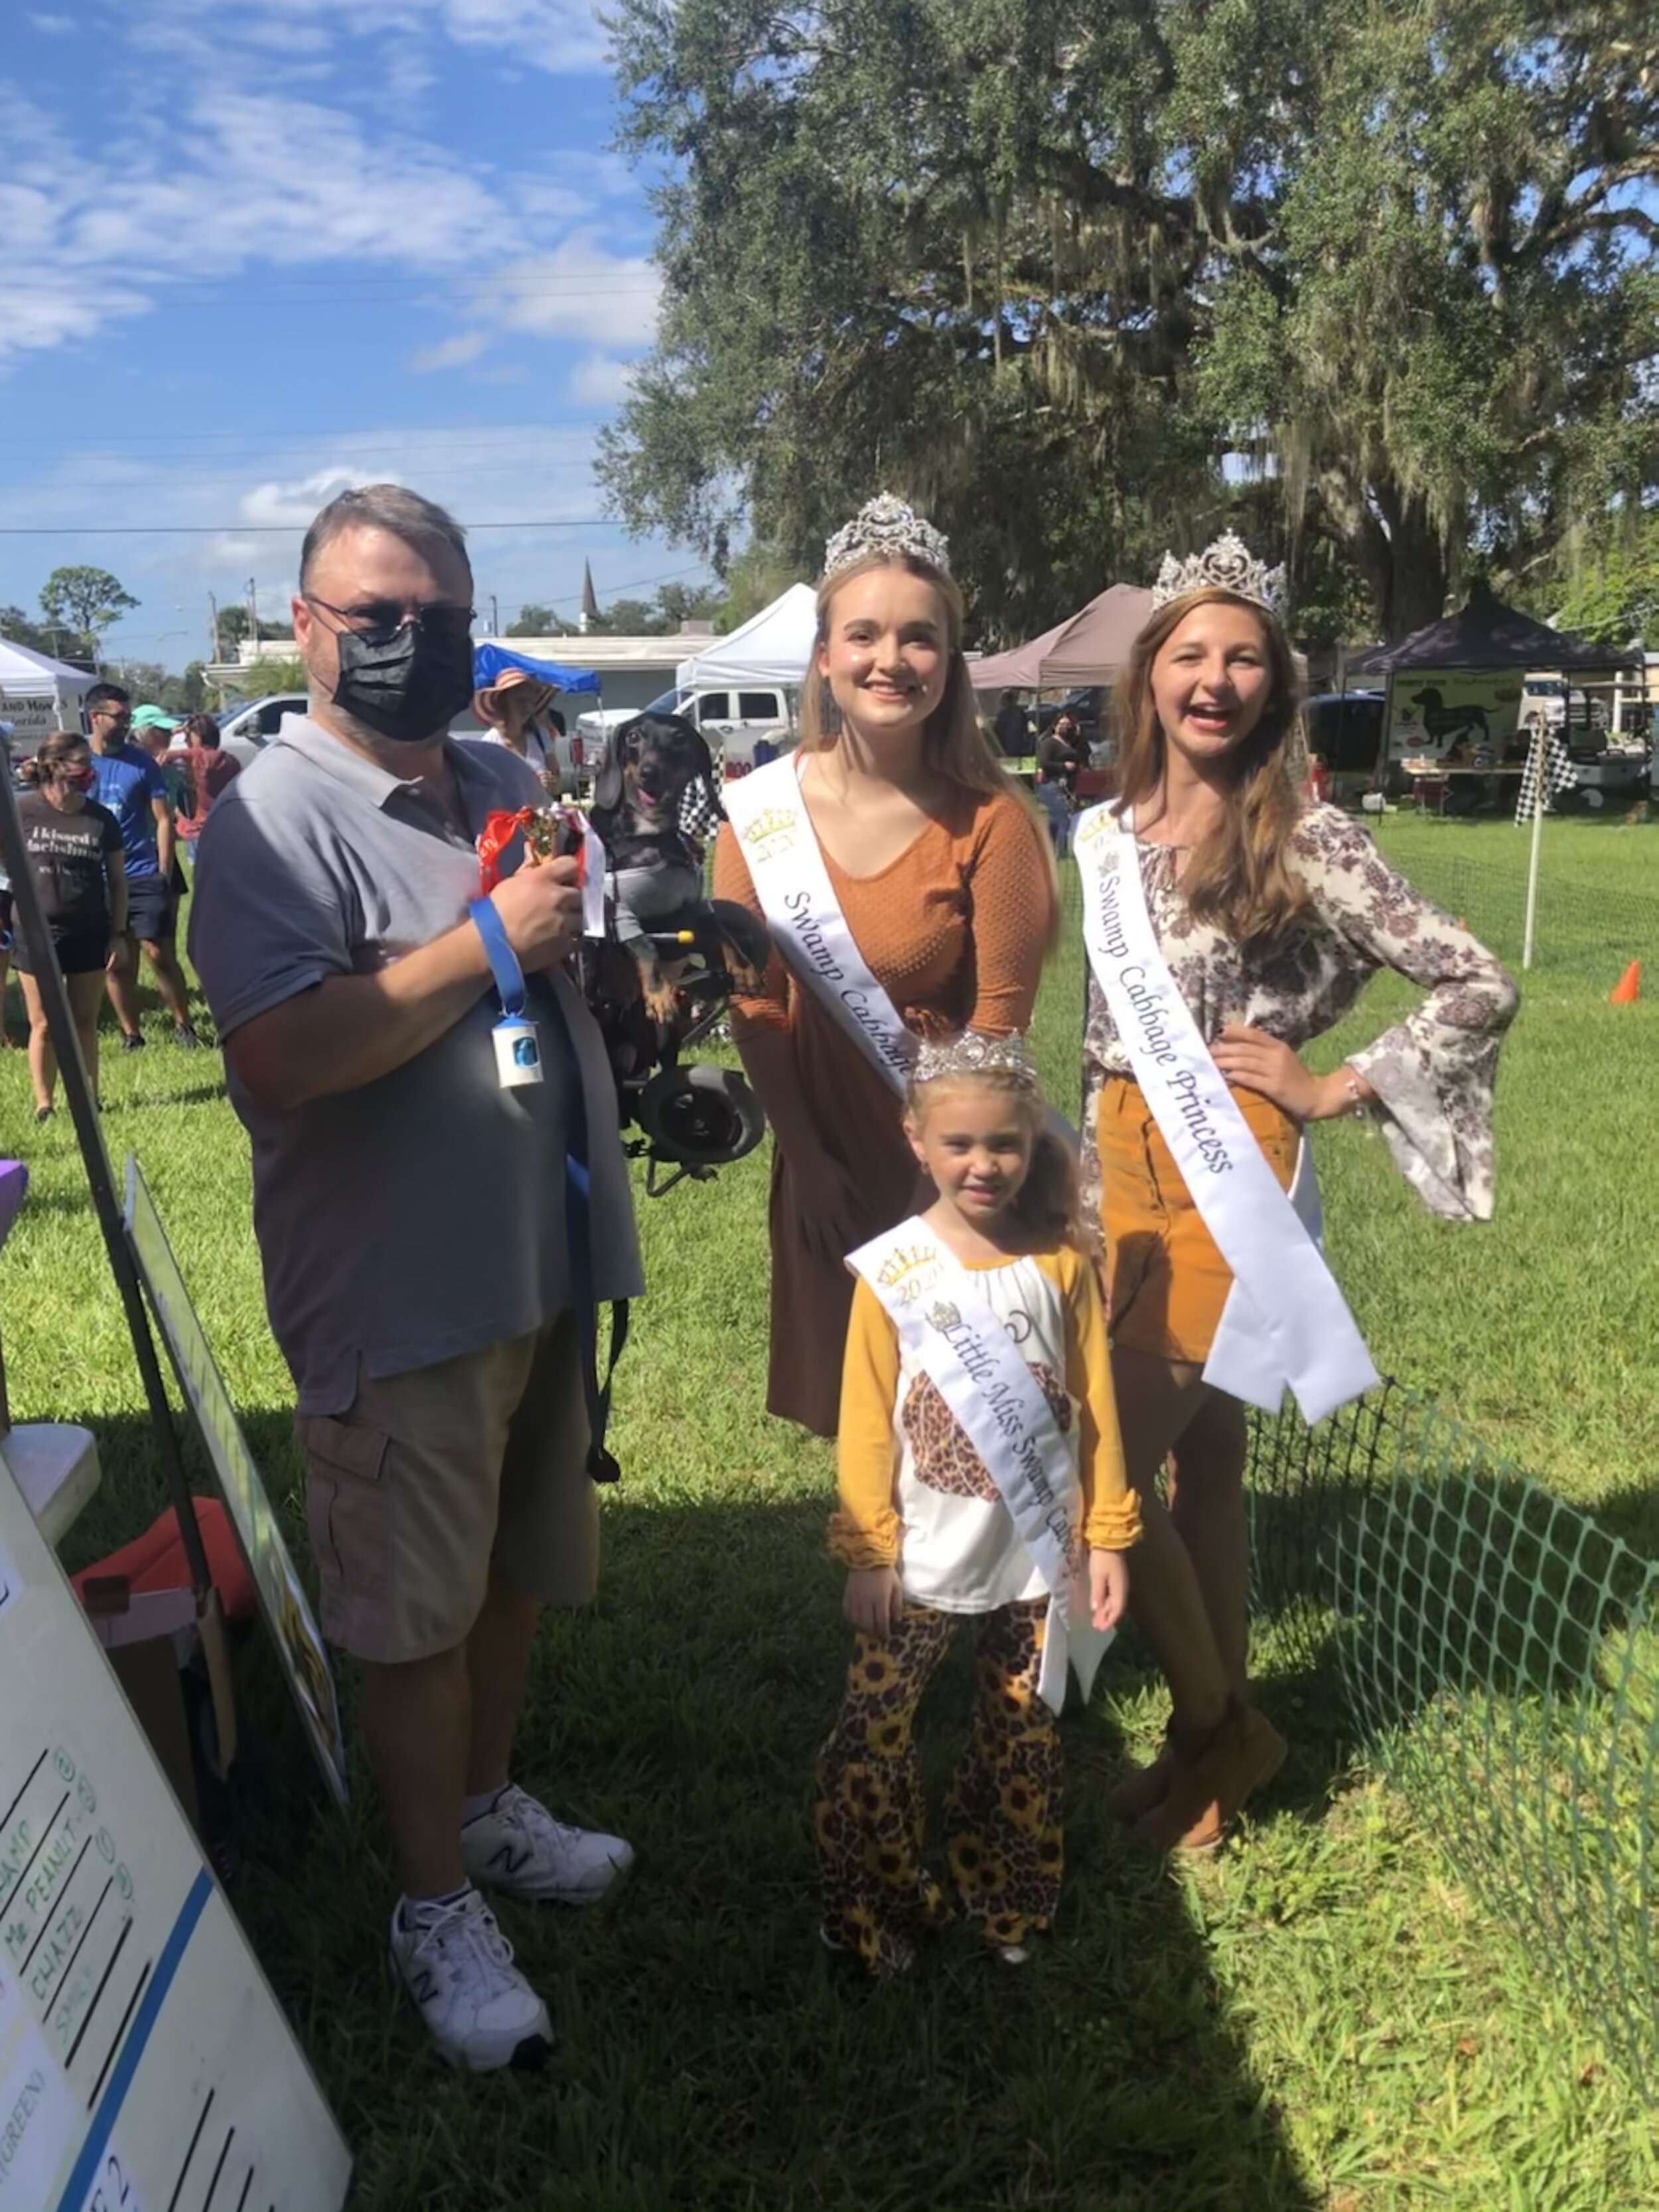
(1558,775)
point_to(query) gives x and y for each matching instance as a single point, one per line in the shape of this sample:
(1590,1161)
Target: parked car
(245,730)
(1344,729)
(730,719)
(1582,715)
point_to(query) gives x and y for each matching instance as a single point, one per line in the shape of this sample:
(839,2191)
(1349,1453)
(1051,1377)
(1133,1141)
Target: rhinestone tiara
(1227,566)
(886,524)
(1005,1059)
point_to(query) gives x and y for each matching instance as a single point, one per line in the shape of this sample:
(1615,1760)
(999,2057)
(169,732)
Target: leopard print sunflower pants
(1002,1815)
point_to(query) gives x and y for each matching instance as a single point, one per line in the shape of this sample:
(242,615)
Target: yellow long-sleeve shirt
(914,1494)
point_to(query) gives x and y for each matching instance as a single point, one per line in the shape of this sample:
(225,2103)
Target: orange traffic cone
(1628,989)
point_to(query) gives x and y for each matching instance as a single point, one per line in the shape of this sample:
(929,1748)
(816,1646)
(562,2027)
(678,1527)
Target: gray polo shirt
(422,1215)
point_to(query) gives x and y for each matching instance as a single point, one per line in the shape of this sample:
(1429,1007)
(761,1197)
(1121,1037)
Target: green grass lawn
(1322,2019)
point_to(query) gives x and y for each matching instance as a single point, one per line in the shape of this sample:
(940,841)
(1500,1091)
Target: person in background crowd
(131,785)
(411,1206)
(207,768)
(74,845)
(1058,756)
(1011,728)
(512,708)
(157,734)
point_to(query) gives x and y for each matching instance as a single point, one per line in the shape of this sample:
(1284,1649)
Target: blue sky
(253,250)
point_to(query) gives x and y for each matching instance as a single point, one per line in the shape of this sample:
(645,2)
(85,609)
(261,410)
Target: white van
(730,718)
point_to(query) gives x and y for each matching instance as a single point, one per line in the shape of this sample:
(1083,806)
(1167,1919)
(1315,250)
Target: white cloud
(581,290)
(250,176)
(558,37)
(290,506)
(601,381)
(52,26)
(457,352)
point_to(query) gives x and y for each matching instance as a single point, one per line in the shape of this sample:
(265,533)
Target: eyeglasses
(377,621)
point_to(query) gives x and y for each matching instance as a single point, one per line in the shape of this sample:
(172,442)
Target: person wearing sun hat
(511,707)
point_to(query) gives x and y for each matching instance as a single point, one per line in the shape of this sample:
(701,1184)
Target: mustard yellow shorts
(436,1477)
(1167,1282)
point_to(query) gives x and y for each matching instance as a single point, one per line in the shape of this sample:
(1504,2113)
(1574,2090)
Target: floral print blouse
(1432,1074)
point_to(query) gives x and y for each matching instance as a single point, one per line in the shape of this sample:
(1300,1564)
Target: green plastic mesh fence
(1588,929)
(1498,1656)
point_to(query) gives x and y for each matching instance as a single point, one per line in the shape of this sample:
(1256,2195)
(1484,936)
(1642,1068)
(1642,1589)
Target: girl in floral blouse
(1271,916)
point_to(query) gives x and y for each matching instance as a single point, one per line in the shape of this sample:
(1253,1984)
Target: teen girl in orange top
(933,866)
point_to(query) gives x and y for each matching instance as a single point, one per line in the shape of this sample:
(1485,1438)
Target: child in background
(927,1524)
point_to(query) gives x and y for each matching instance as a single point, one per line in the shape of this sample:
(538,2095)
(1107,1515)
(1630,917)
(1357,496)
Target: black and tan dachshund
(654,872)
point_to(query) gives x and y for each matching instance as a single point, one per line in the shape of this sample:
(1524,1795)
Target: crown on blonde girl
(886,525)
(1228,565)
(1007,1059)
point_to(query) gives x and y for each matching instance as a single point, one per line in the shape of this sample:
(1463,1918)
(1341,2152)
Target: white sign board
(283,1600)
(145,2065)
(1454,717)
(33,718)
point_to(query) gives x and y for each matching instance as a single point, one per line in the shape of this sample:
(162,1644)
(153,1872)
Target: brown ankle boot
(1144,1788)
(1211,1779)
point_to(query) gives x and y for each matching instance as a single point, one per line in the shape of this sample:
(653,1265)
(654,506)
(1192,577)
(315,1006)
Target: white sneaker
(519,1847)
(479,2008)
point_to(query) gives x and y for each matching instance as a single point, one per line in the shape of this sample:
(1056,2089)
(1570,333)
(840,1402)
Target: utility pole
(213,628)
(252,612)
(495,617)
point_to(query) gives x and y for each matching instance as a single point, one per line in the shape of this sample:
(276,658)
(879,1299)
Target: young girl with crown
(1228,925)
(981,1473)
(909,892)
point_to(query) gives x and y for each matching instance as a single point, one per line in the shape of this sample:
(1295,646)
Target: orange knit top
(954,929)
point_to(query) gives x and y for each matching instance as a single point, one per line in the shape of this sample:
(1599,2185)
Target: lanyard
(578,1188)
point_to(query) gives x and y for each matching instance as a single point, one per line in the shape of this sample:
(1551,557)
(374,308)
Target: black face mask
(408,688)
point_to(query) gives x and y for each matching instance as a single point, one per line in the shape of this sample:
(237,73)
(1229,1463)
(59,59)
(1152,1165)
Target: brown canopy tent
(1089,647)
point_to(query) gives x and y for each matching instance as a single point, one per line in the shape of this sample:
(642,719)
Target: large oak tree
(1086,277)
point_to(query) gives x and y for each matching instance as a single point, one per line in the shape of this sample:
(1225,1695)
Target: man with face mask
(410,1201)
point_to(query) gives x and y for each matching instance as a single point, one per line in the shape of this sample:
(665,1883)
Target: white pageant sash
(769,817)
(1286,1321)
(955,1335)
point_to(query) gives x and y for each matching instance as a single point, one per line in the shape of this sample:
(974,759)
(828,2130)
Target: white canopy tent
(773,647)
(38,695)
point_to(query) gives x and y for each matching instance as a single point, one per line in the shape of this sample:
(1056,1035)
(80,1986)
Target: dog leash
(578,1187)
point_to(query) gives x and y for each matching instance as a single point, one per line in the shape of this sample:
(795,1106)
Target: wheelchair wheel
(699,1116)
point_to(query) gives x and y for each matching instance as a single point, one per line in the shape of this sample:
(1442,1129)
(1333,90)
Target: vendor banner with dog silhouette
(1455,717)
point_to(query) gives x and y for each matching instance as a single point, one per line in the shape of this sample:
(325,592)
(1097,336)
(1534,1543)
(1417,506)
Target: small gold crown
(944,1315)
(768,823)
(903,1263)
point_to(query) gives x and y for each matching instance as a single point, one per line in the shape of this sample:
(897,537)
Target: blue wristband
(503,960)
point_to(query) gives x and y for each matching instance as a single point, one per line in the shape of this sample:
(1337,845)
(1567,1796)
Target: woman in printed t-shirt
(1269,916)
(74,846)
(938,872)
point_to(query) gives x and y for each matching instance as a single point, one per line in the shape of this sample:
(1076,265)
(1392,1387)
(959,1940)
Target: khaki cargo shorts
(437,1476)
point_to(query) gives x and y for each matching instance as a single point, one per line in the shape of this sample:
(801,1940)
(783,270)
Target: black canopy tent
(1488,636)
